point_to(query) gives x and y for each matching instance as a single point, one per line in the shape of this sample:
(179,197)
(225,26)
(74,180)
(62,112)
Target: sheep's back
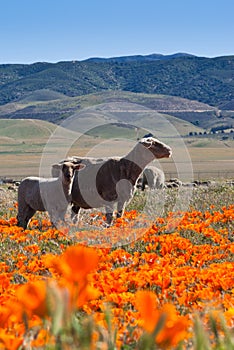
(29,192)
(41,193)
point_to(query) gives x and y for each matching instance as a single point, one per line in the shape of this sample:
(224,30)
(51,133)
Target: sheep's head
(67,170)
(158,148)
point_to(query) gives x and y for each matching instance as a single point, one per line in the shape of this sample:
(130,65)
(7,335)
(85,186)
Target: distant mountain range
(207,80)
(152,57)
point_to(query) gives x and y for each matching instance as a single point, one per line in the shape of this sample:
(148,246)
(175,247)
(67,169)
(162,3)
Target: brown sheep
(113,180)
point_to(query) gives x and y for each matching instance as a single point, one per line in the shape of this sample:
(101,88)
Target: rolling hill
(208,80)
(118,104)
(22,130)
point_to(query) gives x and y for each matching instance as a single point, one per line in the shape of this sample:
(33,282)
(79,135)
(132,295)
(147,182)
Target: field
(170,287)
(160,278)
(25,143)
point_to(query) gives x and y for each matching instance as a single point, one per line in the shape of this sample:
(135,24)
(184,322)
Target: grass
(25,128)
(201,198)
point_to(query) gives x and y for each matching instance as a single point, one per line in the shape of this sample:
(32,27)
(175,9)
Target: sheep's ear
(79,166)
(146,142)
(57,166)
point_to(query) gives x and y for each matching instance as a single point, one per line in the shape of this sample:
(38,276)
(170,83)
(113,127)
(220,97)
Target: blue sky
(62,30)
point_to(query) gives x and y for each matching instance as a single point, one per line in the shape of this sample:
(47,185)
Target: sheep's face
(68,171)
(158,148)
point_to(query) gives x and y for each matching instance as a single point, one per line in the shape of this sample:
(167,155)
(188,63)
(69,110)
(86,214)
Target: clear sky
(64,30)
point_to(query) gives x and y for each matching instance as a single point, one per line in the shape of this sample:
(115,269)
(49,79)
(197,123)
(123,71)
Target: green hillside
(42,95)
(25,129)
(126,107)
(208,80)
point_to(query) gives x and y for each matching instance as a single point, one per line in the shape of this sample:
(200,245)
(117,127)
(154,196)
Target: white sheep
(42,194)
(153,177)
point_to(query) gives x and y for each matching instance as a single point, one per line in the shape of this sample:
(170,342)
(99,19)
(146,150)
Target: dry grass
(206,162)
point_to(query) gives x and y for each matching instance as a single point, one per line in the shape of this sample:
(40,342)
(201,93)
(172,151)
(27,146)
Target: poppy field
(170,288)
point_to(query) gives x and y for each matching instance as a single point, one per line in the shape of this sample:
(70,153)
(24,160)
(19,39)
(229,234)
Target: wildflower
(76,263)
(43,339)
(86,294)
(175,329)
(13,221)
(32,297)
(147,304)
(171,327)
(4,281)
(9,341)
(229,316)
(4,315)
(74,266)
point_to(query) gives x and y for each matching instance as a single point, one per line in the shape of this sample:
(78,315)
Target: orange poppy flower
(43,339)
(76,263)
(9,341)
(13,221)
(4,281)
(85,294)
(229,316)
(173,327)
(148,306)
(32,297)
(4,315)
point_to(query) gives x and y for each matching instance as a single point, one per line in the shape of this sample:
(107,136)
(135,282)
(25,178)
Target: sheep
(42,194)
(174,183)
(153,177)
(113,180)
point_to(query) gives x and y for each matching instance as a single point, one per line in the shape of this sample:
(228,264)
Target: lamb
(113,180)
(42,194)
(153,177)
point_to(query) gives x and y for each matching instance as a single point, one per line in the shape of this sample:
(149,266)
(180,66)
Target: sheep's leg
(57,217)
(120,209)
(24,216)
(21,221)
(75,213)
(109,215)
(143,184)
